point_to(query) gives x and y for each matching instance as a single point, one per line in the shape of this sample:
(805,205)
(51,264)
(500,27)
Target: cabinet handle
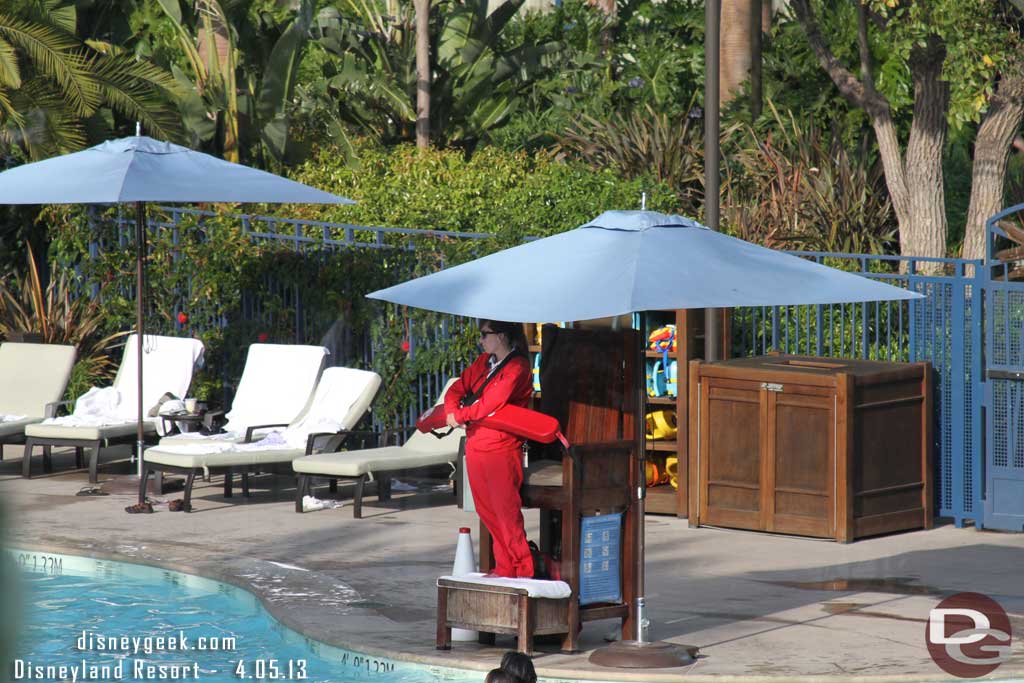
(771,386)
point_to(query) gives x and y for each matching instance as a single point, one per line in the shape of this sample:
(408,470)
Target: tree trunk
(991,153)
(739,20)
(913,177)
(757,33)
(422,73)
(926,233)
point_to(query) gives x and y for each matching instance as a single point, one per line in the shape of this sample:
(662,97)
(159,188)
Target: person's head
(520,666)
(500,337)
(499,676)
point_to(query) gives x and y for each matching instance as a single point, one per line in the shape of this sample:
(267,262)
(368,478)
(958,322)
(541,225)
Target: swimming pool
(87,619)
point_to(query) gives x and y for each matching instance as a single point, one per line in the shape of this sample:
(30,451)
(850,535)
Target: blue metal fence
(944,328)
(1004,371)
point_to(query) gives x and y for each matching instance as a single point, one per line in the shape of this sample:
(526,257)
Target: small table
(183,422)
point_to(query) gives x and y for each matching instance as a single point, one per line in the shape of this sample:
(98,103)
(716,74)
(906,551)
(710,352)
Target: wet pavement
(758,605)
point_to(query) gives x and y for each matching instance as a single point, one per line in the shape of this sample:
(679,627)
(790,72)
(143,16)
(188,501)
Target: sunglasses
(484,333)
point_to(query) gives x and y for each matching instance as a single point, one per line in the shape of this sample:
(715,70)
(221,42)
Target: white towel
(95,408)
(535,588)
(223,437)
(12,418)
(203,448)
(167,365)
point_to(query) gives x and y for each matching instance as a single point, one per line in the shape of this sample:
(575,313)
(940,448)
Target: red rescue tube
(523,422)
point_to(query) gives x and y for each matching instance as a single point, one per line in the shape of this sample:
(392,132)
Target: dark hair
(499,676)
(520,666)
(512,331)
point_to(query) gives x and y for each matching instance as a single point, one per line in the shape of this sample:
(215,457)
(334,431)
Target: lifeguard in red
(494,459)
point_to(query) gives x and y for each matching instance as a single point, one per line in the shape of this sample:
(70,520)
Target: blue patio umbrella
(627,261)
(138,170)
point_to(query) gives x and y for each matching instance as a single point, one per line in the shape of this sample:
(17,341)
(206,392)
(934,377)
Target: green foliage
(649,56)
(794,81)
(238,64)
(508,195)
(56,87)
(875,331)
(640,143)
(798,188)
(980,36)
(368,84)
(59,316)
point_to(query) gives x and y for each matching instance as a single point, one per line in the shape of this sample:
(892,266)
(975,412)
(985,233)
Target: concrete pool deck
(759,606)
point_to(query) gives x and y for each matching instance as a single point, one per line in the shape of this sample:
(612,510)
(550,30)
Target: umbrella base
(634,654)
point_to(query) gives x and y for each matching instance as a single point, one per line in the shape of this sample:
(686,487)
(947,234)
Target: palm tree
(56,88)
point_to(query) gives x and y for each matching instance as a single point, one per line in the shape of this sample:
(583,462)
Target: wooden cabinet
(811,446)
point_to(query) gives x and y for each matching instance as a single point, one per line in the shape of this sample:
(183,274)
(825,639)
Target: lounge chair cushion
(9,427)
(87,432)
(276,385)
(341,398)
(419,450)
(32,375)
(229,457)
(357,463)
(286,372)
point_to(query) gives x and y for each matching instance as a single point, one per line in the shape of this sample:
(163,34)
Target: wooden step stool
(491,609)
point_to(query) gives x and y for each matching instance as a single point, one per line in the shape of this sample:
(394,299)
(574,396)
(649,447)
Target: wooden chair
(588,382)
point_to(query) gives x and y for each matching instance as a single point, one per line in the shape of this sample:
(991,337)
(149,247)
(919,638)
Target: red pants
(495,475)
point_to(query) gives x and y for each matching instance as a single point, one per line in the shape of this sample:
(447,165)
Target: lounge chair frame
(335,441)
(382,476)
(94,446)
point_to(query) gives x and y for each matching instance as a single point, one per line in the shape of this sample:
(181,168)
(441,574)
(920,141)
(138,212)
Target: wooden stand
(496,609)
(811,446)
(588,385)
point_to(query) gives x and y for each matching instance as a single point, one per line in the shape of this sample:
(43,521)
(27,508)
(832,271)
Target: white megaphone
(464,564)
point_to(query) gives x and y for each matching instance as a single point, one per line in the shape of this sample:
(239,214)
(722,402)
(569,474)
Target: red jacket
(511,384)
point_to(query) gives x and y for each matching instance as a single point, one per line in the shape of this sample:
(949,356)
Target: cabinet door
(732,420)
(799,464)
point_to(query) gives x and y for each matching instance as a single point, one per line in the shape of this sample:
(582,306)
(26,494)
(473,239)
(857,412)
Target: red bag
(523,422)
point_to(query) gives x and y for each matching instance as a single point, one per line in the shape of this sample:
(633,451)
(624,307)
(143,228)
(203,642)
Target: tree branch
(849,86)
(862,44)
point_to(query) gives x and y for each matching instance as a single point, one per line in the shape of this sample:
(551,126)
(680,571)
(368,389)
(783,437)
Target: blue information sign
(600,557)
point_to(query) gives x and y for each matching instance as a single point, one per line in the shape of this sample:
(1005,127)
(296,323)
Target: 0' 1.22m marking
(40,563)
(272,669)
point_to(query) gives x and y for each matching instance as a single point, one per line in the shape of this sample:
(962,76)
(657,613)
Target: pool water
(116,621)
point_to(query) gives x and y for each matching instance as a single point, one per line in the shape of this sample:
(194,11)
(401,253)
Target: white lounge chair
(105,415)
(275,388)
(341,398)
(33,378)
(419,451)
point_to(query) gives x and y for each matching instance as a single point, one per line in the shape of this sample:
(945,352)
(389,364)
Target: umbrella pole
(640,653)
(140,254)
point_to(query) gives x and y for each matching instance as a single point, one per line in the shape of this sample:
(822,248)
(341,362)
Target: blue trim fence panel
(1004,372)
